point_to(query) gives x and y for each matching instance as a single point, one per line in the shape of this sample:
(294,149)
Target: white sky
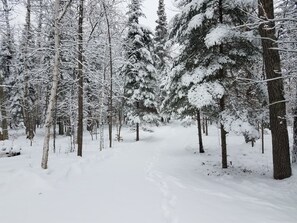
(150,8)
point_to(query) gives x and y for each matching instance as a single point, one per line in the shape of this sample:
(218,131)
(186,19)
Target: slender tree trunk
(80,80)
(60,121)
(223,137)
(6,71)
(262,136)
(277,106)
(201,150)
(222,100)
(137,124)
(137,131)
(4,125)
(28,108)
(294,151)
(203,125)
(51,105)
(111,73)
(206,126)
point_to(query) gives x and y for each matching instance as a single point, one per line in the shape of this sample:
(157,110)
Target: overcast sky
(150,8)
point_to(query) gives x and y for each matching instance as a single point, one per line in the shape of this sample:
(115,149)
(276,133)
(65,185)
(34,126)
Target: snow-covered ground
(160,179)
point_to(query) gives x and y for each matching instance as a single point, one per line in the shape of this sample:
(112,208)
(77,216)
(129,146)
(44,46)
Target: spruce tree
(139,71)
(161,34)
(212,52)
(161,53)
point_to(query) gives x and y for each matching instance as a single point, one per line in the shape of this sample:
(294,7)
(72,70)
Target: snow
(159,179)
(205,94)
(219,34)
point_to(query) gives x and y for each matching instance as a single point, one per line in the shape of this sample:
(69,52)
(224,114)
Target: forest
(80,66)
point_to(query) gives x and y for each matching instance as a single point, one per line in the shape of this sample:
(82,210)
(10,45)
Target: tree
(80,78)
(277,106)
(6,66)
(287,39)
(29,97)
(161,52)
(214,48)
(161,36)
(139,71)
(52,101)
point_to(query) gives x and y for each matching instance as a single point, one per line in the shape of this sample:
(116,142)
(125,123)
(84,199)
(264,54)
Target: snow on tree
(161,53)
(287,39)
(215,49)
(139,71)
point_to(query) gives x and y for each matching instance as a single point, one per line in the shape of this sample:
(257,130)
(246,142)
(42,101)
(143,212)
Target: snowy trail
(156,180)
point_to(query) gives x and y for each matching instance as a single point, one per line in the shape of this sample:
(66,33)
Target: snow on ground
(160,179)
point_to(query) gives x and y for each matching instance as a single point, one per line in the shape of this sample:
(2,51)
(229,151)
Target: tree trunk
(262,136)
(60,121)
(28,108)
(137,131)
(111,73)
(294,151)
(50,109)
(137,124)
(277,107)
(201,150)
(206,126)
(223,137)
(51,104)
(4,125)
(6,71)
(80,80)
(222,100)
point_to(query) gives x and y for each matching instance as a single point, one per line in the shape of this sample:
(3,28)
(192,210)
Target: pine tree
(212,52)
(139,71)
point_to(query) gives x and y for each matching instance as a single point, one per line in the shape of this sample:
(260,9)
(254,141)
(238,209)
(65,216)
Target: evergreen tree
(161,34)
(139,71)
(161,52)
(212,53)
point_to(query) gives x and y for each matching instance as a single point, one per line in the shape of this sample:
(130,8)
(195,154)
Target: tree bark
(51,105)
(223,137)
(80,80)
(4,125)
(277,106)
(201,150)
(6,71)
(29,111)
(294,150)
(111,73)
(52,99)
(137,124)
(222,100)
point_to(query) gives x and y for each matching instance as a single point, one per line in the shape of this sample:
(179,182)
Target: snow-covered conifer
(139,71)
(213,53)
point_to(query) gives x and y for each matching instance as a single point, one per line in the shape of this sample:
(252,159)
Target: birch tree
(58,15)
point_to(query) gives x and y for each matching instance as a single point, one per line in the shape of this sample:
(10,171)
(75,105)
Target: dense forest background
(79,65)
